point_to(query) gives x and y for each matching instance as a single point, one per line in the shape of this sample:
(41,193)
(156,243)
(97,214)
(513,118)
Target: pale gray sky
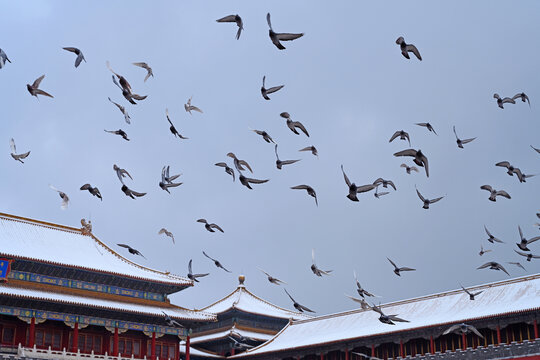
(345,80)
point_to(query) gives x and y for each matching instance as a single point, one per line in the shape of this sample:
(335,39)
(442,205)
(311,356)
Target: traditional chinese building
(242,318)
(66,293)
(506,314)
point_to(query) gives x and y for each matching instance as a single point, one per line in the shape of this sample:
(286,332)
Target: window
(164,350)
(127,346)
(47,337)
(8,335)
(87,343)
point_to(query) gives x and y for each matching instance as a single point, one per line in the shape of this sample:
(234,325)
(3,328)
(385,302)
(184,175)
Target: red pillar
(535,325)
(463,341)
(187,347)
(32,332)
(322,356)
(431,345)
(75,344)
(346,354)
(401,352)
(177,353)
(153,349)
(232,351)
(372,350)
(498,335)
(115,342)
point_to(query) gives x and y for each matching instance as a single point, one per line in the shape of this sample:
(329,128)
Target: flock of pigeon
(167,182)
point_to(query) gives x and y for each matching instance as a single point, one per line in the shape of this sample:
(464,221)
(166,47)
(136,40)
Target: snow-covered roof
(197,352)
(230,332)
(62,245)
(505,297)
(173,311)
(243,300)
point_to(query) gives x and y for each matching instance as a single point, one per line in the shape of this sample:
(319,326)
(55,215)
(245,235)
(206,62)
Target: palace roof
(499,298)
(230,332)
(120,306)
(66,246)
(243,300)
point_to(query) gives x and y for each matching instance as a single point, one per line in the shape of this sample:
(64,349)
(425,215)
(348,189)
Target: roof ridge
(277,307)
(220,300)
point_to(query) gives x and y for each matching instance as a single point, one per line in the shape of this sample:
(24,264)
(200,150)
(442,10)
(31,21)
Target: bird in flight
(280,163)
(34,89)
(511,170)
(172,128)
(217,263)
(170,321)
(92,190)
(362,292)
(14,155)
(193,276)
(278,37)
(228,169)
(353,189)
(146,67)
(314,267)
(482,251)
(3,58)
(311,148)
(265,91)
(494,193)
(461,142)
(167,180)
(528,256)
(387,319)
(239,164)
(188,107)
(124,85)
(80,56)
(522,245)
(167,233)
(272,279)
(492,239)
(363,304)
(264,135)
(471,295)
(398,270)
(235,19)
(419,158)
(131,250)
(407,48)
(63,196)
(402,136)
(123,111)
(523,98)
(247,181)
(293,125)
(462,329)
(119,132)
(297,305)
(427,202)
(309,189)
(384,183)
(502,101)
(210,227)
(132,194)
(408,168)
(427,126)
(493,266)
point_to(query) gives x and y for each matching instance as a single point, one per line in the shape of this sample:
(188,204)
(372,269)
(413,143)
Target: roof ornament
(86,227)
(241,280)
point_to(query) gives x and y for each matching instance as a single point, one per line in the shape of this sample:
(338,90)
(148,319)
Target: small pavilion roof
(67,246)
(243,300)
(443,309)
(95,302)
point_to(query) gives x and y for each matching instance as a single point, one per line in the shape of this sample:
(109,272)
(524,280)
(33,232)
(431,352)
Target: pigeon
(172,128)
(419,158)
(280,163)
(239,344)
(265,91)
(522,245)
(353,189)
(314,267)
(239,164)
(193,276)
(462,329)
(397,270)
(188,107)
(408,168)
(80,56)
(124,85)
(235,19)
(294,124)
(511,170)
(210,227)
(528,256)
(121,173)
(277,37)
(298,306)
(167,233)
(494,193)
(517,264)
(492,239)
(228,169)
(407,48)
(217,263)
(123,110)
(387,319)
(63,196)
(264,135)
(535,149)
(471,295)
(311,148)
(309,189)
(247,181)
(482,251)
(146,67)
(427,202)
(402,136)
(131,250)
(523,98)
(34,88)
(167,180)
(272,279)
(363,304)
(3,58)
(92,190)
(379,194)
(501,102)
(120,132)
(461,142)
(362,292)
(384,183)
(428,126)
(171,322)
(494,266)
(14,155)
(132,194)
(524,177)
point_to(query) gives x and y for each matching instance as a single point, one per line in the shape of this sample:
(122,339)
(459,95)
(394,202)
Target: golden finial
(241,280)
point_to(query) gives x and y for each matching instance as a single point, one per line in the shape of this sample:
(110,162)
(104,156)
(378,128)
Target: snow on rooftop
(172,311)
(230,332)
(35,240)
(197,352)
(243,300)
(520,294)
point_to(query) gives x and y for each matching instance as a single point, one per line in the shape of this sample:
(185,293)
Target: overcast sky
(345,80)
